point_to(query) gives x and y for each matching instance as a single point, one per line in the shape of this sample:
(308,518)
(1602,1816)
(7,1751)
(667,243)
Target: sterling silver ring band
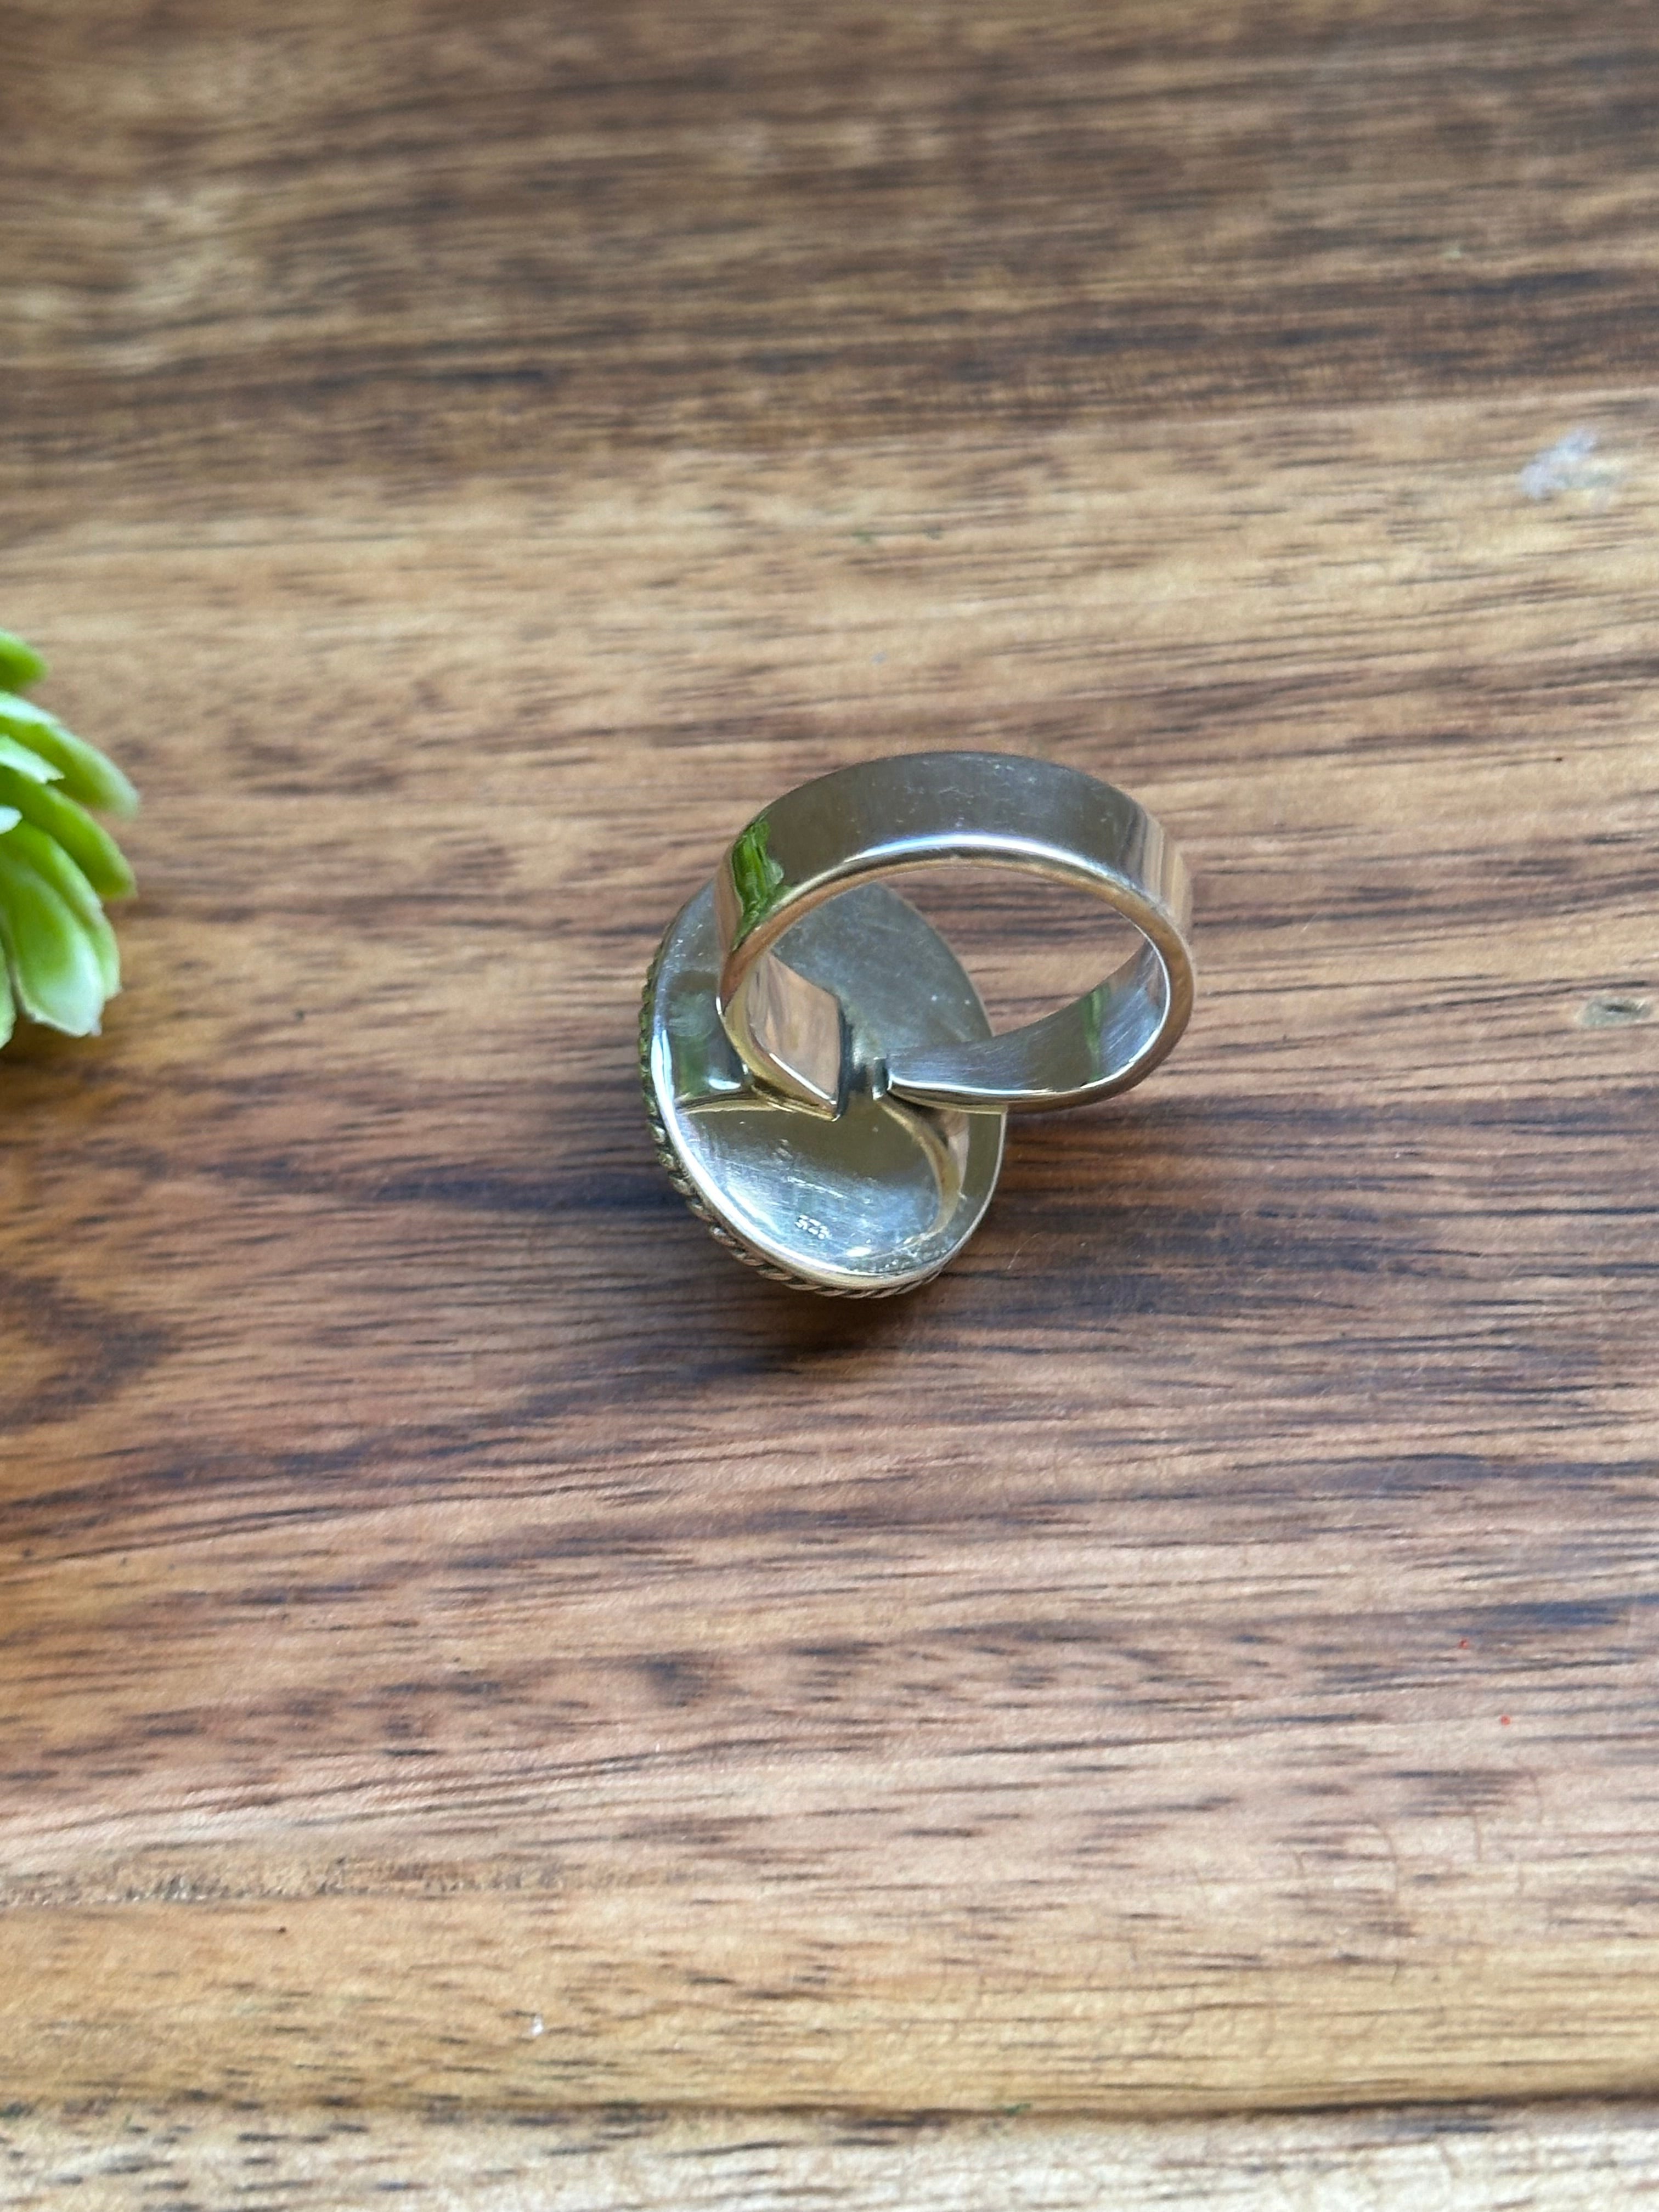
(923,809)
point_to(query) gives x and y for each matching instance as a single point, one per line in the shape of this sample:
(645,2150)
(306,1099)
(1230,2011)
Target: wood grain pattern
(464,1640)
(1449,2158)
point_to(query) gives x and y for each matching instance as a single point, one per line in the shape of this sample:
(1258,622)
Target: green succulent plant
(57,865)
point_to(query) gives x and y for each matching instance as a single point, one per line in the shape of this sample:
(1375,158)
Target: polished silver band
(927,809)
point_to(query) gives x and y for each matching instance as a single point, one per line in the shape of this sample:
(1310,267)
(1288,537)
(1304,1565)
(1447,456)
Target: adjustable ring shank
(923,810)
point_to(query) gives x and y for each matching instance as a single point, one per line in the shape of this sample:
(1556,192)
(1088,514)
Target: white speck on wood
(1564,466)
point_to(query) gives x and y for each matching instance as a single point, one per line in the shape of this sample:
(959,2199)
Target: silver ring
(822,1081)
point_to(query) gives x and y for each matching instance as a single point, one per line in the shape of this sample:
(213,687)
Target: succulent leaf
(58,960)
(18,663)
(54,866)
(88,775)
(12,755)
(55,973)
(88,843)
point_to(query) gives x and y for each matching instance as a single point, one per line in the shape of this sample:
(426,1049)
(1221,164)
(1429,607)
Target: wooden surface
(465,1642)
(1522,2158)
